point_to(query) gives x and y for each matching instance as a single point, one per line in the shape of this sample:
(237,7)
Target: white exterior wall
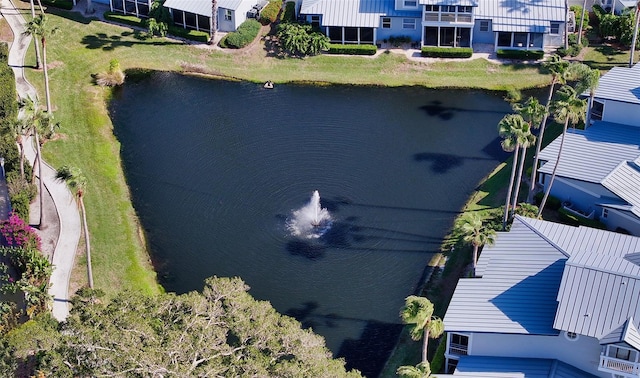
(583,195)
(583,353)
(554,40)
(621,219)
(621,112)
(397,30)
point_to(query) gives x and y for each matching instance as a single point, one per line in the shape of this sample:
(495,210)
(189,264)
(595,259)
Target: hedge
(123,19)
(447,52)
(520,54)
(289,12)
(335,48)
(62,4)
(553,203)
(176,31)
(576,220)
(8,94)
(270,13)
(244,35)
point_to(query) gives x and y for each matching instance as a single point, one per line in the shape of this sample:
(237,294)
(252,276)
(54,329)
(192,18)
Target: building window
(227,15)
(315,21)
(458,344)
(464,9)
(484,26)
(597,110)
(572,336)
(386,22)
(451,366)
(432,8)
(410,3)
(605,213)
(555,28)
(408,23)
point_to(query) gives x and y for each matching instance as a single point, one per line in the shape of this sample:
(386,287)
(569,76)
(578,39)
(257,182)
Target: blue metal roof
(354,13)
(503,367)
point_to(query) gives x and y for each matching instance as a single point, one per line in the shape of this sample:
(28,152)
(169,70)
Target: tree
(584,7)
(532,111)
(214,20)
(418,312)
(567,109)
(559,70)
(19,128)
(301,40)
(516,133)
(589,80)
(221,331)
(35,40)
(39,27)
(474,231)
(77,182)
(421,370)
(159,19)
(634,39)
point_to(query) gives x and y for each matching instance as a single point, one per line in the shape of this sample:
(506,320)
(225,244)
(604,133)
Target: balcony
(618,366)
(448,17)
(457,349)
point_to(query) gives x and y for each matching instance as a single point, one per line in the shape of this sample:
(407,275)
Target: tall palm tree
(214,20)
(78,183)
(474,231)
(37,121)
(515,132)
(589,81)
(39,27)
(558,68)
(532,111)
(19,128)
(634,39)
(567,109)
(35,40)
(421,370)
(584,7)
(418,312)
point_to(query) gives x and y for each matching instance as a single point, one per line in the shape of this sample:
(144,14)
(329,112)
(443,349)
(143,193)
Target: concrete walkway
(64,202)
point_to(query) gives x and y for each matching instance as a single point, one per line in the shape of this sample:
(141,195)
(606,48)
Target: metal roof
(591,154)
(517,290)
(354,13)
(508,367)
(625,333)
(620,84)
(521,16)
(624,181)
(203,7)
(471,3)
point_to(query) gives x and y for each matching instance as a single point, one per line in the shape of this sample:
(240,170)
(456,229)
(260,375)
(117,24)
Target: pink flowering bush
(17,233)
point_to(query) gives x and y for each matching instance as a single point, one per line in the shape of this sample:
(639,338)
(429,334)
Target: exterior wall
(583,195)
(616,218)
(482,36)
(400,5)
(397,29)
(555,40)
(621,112)
(238,16)
(139,8)
(583,353)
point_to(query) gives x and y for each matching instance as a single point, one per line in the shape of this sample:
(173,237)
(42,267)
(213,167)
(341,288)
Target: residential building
(617,98)
(548,300)
(508,24)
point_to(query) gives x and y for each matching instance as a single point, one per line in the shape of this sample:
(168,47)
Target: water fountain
(311,221)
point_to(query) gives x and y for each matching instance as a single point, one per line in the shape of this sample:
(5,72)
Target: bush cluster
(244,35)
(447,52)
(397,41)
(8,104)
(270,13)
(576,220)
(520,54)
(192,35)
(553,203)
(62,4)
(613,26)
(335,48)
(21,192)
(17,233)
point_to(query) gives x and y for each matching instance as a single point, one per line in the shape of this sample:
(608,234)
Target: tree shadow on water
(435,108)
(440,163)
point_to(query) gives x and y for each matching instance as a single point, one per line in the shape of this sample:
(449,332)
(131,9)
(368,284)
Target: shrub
(573,40)
(447,52)
(520,54)
(17,233)
(598,11)
(21,193)
(438,360)
(576,220)
(289,14)
(62,4)
(123,19)
(4,52)
(577,10)
(335,48)
(270,13)
(399,40)
(192,35)
(553,203)
(113,77)
(609,26)
(244,35)
(159,19)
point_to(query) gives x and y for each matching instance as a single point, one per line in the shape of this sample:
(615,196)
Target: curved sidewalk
(64,202)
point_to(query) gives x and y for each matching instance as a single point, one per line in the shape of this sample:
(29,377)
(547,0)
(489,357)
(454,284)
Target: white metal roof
(521,16)
(354,13)
(624,181)
(620,84)
(471,3)
(508,367)
(625,333)
(203,7)
(591,154)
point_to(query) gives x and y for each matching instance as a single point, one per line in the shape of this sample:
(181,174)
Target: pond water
(217,168)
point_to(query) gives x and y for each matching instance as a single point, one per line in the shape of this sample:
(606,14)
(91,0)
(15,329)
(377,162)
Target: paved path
(70,226)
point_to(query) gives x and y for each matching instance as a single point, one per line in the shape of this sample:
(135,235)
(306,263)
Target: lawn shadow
(111,42)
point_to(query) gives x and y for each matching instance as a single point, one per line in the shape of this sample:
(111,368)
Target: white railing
(460,350)
(617,365)
(431,17)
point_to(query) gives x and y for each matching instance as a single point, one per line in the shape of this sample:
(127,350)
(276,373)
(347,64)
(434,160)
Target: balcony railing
(460,350)
(448,17)
(613,365)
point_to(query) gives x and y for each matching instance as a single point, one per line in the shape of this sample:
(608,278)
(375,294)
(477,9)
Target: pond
(217,168)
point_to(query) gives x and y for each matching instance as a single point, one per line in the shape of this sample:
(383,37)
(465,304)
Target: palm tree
(589,81)
(567,109)
(35,40)
(37,121)
(532,112)
(214,20)
(19,128)
(39,27)
(421,370)
(77,182)
(584,7)
(559,69)
(474,231)
(418,312)
(515,133)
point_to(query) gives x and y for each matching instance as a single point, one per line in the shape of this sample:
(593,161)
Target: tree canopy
(221,332)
